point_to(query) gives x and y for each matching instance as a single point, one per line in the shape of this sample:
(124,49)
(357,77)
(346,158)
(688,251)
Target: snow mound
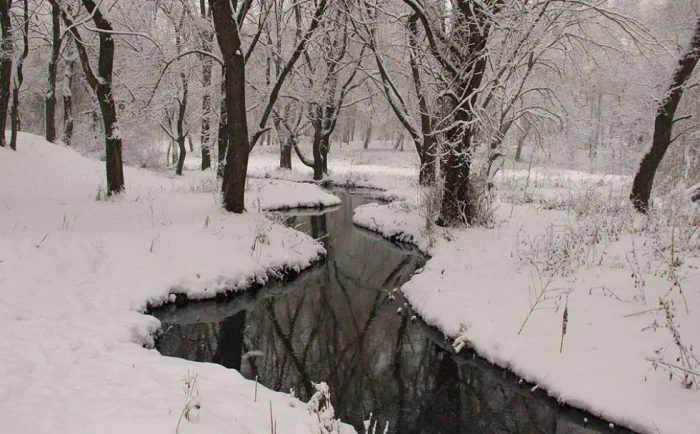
(76,273)
(479,289)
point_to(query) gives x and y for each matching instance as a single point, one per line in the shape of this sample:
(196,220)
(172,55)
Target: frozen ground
(76,273)
(572,237)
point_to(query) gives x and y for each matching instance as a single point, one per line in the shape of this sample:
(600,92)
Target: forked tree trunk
(663,125)
(53,64)
(101,83)
(6,51)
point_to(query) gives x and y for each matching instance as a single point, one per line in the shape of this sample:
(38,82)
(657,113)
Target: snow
(390,173)
(479,284)
(76,275)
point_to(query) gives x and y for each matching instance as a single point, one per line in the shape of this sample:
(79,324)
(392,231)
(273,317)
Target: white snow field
(480,284)
(76,273)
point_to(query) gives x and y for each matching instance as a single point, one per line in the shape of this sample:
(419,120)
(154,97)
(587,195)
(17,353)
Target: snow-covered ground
(392,173)
(77,273)
(572,238)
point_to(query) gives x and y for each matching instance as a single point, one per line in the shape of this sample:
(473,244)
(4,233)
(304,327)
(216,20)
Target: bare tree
(179,133)
(100,81)
(421,130)
(228,15)
(663,125)
(330,77)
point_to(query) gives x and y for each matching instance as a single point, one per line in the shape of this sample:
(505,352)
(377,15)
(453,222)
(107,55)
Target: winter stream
(341,322)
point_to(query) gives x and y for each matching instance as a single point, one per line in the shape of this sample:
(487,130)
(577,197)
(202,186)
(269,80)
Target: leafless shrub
(687,365)
(190,411)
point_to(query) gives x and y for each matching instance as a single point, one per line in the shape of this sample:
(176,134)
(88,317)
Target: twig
(642,312)
(42,240)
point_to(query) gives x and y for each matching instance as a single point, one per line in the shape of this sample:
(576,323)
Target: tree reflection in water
(337,323)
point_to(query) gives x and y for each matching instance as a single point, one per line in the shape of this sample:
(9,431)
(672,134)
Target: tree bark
(67,136)
(316,151)
(7,49)
(222,138)
(50,100)
(663,125)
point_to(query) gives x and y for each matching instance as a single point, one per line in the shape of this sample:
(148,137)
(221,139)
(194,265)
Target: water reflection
(338,323)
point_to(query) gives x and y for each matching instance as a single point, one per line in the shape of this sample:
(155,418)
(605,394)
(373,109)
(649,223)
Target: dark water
(338,323)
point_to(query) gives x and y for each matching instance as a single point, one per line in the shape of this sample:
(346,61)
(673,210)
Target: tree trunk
(398,139)
(205,137)
(521,140)
(175,154)
(367,136)
(53,63)
(181,155)
(316,150)
(67,136)
(426,174)
(19,78)
(222,138)
(426,150)
(663,126)
(455,199)
(325,150)
(233,185)
(6,51)
(182,102)
(286,142)
(105,96)
(113,138)
(286,154)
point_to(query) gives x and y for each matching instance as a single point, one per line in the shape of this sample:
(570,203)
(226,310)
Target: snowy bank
(76,273)
(479,289)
